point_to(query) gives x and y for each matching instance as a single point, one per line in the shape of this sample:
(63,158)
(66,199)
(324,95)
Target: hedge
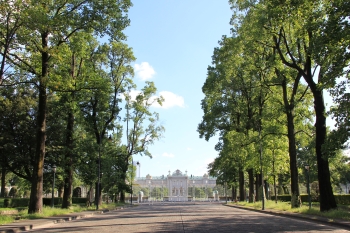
(58,200)
(16,202)
(340,199)
(47,201)
(79,200)
(24,202)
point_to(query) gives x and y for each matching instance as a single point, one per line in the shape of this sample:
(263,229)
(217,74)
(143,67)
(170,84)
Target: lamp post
(193,191)
(139,164)
(206,193)
(149,190)
(98,175)
(53,186)
(226,191)
(307,168)
(132,175)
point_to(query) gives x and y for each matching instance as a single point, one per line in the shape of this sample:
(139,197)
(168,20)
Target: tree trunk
(60,191)
(3,181)
(68,181)
(266,189)
(234,193)
(99,195)
(122,196)
(257,187)
(289,109)
(251,185)
(327,200)
(293,161)
(36,194)
(274,188)
(241,185)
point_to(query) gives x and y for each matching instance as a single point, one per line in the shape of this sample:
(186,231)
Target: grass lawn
(343,212)
(48,212)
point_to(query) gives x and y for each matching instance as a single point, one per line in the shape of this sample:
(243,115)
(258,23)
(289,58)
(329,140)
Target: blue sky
(173,41)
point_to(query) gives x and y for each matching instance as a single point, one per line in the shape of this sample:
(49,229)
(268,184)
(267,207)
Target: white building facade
(177,183)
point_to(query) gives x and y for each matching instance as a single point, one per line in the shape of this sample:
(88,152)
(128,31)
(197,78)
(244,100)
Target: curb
(314,218)
(30,224)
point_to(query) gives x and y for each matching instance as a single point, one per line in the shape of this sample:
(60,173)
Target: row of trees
(62,94)
(264,95)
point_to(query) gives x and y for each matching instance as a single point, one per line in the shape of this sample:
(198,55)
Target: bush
(6,203)
(305,198)
(47,201)
(342,199)
(16,202)
(79,200)
(284,198)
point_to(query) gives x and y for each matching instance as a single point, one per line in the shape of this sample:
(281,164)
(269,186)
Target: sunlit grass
(49,212)
(340,213)
(4,219)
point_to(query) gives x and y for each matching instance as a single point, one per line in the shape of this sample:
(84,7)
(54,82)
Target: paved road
(188,217)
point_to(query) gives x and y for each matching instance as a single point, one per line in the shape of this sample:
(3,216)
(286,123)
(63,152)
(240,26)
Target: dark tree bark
(35,203)
(122,196)
(257,187)
(327,200)
(241,185)
(68,181)
(99,194)
(234,193)
(251,185)
(3,180)
(289,106)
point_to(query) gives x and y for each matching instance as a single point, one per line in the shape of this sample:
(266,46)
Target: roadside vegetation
(342,212)
(50,212)
(264,99)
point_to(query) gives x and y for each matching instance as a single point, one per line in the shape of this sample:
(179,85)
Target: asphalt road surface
(188,217)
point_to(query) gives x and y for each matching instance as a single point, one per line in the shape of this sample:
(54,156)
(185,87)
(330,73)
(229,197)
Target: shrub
(47,201)
(6,203)
(342,199)
(79,200)
(16,202)
(284,198)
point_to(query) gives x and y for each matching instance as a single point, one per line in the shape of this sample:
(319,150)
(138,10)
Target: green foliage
(16,202)
(342,199)
(47,201)
(256,77)
(13,192)
(79,200)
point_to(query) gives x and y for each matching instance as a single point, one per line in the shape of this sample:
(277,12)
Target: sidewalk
(30,224)
(319,219)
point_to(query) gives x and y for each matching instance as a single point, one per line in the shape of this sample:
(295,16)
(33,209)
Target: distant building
(177,183)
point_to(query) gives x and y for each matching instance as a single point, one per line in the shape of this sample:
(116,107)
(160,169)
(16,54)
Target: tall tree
(142,125)
(302,44)
(48,26)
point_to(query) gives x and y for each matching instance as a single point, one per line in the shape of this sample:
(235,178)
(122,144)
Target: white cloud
(170,100)
(133,94)
(168,155)
(209,160)
(189,148)
(144,70)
